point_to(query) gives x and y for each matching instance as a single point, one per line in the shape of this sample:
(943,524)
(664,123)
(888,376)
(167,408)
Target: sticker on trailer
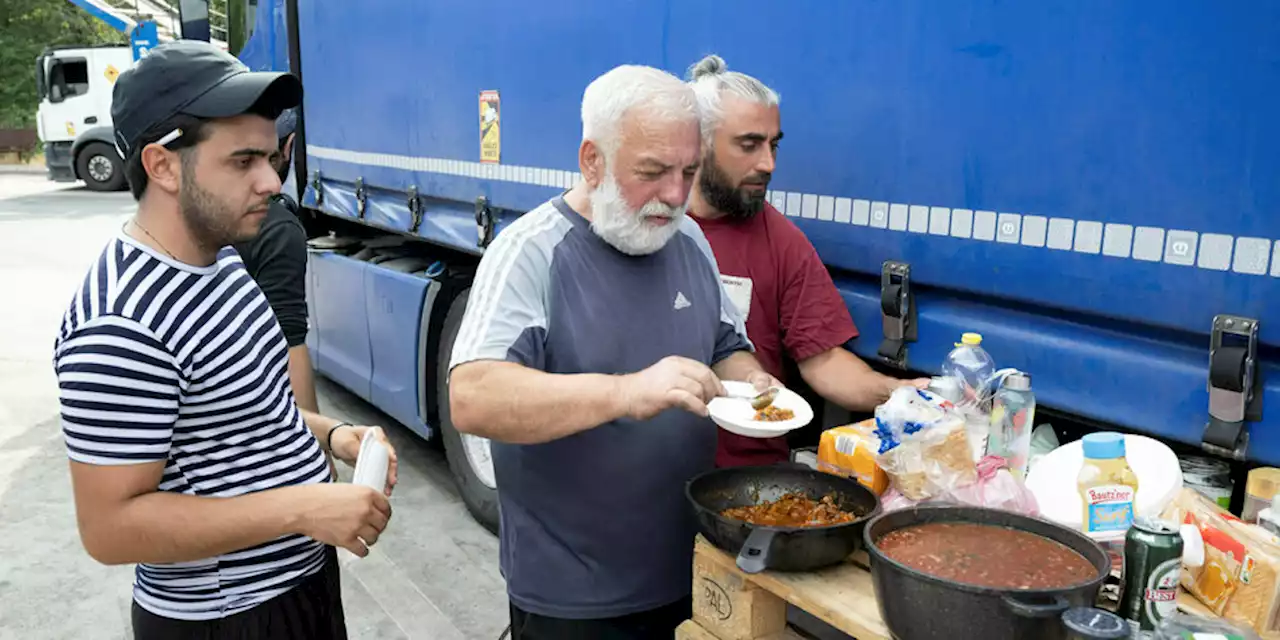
(490,129)
(111,73)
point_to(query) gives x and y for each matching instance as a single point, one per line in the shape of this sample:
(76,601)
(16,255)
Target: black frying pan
(779,548)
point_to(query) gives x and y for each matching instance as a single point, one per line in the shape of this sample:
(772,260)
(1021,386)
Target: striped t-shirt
(159,360)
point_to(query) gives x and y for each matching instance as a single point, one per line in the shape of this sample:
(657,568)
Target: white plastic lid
(1192,546)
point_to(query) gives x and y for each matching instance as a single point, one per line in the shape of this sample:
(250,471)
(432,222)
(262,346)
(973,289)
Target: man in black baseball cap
(170,103)
(189,454)
(196,79)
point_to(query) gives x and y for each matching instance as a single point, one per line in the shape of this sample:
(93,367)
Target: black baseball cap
(194,78)
(287,123)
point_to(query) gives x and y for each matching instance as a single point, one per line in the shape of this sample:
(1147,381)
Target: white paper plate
(372,463)
(735,414)
(1053,479)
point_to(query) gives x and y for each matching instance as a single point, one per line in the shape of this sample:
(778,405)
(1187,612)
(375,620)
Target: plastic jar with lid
(1263,484)
(1108,486)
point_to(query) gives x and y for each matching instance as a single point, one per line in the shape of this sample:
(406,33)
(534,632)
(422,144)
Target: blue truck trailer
(1094,187)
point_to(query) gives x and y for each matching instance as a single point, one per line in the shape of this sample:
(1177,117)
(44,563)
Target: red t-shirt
(794,306)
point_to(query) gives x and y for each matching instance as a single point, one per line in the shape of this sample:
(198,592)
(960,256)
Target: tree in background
(26,28)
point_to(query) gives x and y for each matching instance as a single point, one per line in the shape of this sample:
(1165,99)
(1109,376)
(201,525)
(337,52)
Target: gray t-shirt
(596,524)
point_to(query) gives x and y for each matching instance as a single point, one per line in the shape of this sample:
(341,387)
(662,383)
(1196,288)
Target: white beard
(627,230)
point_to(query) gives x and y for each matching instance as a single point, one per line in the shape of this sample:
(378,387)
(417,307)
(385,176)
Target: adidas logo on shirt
(681,301)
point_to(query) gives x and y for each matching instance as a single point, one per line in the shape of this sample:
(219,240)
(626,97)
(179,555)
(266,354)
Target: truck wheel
(100,167)
(468,455)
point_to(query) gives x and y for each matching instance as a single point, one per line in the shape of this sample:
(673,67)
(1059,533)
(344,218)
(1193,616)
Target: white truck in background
(74,116)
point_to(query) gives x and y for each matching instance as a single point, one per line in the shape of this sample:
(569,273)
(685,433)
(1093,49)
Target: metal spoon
(760,400)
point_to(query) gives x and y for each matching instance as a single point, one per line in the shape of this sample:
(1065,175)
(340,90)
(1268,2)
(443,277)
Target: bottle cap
(1018,381)
(1103,445)
(1093,623)
(971,339)
(1263,482)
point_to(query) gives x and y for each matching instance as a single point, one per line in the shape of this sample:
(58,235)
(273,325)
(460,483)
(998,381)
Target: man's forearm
(842,377)
(166,527)
(506,402)
(738,366)
(302,378)
(320,426)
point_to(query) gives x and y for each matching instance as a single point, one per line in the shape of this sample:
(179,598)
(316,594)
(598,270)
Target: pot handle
(754,555)
(1035,610)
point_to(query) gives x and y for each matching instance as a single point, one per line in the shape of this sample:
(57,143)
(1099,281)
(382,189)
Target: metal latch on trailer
(898,312)
(415,209)
(362,198)
(484,222)
(1235,386)
(318,186)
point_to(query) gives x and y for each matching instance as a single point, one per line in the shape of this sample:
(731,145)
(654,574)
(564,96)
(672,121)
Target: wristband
(328,439)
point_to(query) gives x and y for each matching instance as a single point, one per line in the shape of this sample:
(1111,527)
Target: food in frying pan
(793,509)
(987,556)
(773,413)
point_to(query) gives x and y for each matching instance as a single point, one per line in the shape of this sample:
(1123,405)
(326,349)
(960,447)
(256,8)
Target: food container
(850,452)
(920,606)
(1210,477)
(1240,577)
(778,548)
(1259,489)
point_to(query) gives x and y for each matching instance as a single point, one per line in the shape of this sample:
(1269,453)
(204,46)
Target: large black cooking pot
(918,606)
(779,548)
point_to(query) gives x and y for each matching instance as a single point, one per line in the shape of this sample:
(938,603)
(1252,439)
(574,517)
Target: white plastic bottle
(973,367)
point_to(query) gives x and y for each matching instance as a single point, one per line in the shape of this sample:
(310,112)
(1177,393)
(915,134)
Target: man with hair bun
(771,271)
(594,336)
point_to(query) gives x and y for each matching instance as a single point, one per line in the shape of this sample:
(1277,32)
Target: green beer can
(1152,568)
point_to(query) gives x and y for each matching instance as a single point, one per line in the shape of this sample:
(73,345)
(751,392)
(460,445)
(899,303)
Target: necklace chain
(153,238)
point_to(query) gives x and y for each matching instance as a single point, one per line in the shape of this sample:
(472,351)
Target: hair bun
(712,65)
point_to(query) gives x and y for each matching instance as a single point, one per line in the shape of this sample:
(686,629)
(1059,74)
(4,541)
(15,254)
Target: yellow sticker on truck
(490,127)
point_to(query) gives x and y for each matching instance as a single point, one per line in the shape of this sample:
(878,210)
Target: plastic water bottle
(1013,414)
(973,367)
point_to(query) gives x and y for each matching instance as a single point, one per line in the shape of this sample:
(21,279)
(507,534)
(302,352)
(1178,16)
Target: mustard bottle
(1108,487)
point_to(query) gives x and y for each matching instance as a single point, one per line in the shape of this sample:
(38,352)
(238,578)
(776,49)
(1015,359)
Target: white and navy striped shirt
(159,360)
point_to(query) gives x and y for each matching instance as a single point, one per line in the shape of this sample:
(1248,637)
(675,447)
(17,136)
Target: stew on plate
(987,556)
(774,413)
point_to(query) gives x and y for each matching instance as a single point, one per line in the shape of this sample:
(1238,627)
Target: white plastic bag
(924,444)
(995,488)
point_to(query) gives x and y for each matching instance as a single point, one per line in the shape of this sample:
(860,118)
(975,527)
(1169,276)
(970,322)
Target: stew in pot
(792,510)
(987,556)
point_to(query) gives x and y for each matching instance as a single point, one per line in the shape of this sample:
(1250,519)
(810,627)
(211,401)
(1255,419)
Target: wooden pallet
(731,605)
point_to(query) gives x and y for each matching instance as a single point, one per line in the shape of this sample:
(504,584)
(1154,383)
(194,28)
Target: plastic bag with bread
(850,452)
(923,444)
(1240,577)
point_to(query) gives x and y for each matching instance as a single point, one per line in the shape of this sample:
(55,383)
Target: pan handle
(1034,609)
(754,555)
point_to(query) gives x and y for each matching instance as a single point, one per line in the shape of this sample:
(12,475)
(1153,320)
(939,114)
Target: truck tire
(100,167)
(469,459)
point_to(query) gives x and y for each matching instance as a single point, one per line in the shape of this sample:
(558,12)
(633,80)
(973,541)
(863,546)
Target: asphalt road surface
(433,574)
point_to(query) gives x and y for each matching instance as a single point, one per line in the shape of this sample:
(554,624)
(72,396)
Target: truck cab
(74,115)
